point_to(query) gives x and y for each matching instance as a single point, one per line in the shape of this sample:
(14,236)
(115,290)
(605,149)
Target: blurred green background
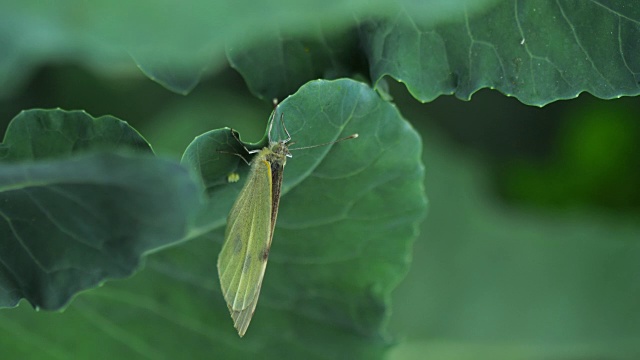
(530,248)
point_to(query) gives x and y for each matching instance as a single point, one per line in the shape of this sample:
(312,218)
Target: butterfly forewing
(242,260)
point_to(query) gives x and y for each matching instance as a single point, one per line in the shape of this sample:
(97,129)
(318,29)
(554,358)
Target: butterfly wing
(243,259)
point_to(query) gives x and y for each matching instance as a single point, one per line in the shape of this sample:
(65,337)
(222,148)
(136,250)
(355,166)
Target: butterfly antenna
(352,136)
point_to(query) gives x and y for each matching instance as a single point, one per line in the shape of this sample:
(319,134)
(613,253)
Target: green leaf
(70,223)
(44,134)
(538,51)
(346,220)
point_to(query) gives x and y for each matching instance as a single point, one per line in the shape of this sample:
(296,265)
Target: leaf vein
(580,45)
(21,242)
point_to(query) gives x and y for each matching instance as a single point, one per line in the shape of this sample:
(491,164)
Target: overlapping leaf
(73,214)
